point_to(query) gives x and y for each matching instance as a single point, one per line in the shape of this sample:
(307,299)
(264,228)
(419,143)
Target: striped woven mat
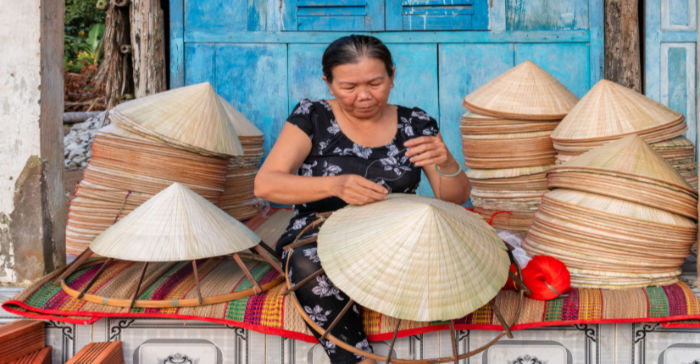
(271,313)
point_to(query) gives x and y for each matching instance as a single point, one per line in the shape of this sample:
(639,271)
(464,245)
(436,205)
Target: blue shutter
(334,15)
(437,15)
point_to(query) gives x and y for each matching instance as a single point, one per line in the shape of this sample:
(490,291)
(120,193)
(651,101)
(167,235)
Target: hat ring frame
(325,334)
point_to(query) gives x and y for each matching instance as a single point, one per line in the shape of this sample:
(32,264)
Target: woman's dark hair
(351,49)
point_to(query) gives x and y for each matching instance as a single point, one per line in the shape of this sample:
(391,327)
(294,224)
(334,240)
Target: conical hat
(523,92)
(413,258)
(191,118)
(505,172)
(609,111)
(631,157)
(174,225)
(243,126)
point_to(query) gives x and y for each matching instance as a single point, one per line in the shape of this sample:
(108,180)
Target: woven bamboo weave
(524,92)
(192,118)
(437,261)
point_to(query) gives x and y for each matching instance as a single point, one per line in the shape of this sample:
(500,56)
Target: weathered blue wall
(671,57)
(260,55)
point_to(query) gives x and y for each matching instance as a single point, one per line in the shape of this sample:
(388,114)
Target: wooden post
(622,55)
(148,47)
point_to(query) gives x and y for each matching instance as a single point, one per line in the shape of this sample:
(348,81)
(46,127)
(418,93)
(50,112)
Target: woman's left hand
(427,150)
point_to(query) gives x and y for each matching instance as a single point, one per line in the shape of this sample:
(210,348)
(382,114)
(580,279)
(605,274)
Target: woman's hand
(426,150)
(356,190)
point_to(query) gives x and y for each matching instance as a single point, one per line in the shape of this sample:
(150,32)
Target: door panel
(333,15)
(568,62)
(306,74)
(671,57)
(200,61)
(437,15)
(463,69)
(253,78)
(416,85)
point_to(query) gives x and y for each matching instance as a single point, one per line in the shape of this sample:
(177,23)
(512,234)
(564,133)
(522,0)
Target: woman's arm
(277,180)
(428,151)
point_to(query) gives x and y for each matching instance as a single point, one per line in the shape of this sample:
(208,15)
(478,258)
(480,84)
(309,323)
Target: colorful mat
(271,313)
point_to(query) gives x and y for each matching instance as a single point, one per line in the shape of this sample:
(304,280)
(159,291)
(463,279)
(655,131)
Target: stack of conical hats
(610,111)
(129,166)
(437,261)
(620,217)
(174,225)
(506,142)
(239,200)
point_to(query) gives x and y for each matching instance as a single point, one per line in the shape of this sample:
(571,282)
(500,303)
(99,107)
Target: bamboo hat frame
(326,333)
(174,225)
(525,92)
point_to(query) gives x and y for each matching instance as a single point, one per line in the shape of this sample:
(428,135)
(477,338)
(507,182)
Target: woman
(354,149)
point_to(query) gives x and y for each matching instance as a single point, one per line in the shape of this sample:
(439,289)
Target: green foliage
(84,29)
(81,15)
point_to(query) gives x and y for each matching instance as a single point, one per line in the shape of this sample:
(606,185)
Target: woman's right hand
(356,190)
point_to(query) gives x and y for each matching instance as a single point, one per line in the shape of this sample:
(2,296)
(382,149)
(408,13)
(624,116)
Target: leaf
(95,37)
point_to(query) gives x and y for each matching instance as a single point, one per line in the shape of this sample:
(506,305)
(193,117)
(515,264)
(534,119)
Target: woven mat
(271,313)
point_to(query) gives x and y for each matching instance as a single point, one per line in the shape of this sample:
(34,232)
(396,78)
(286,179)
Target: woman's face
(362,89)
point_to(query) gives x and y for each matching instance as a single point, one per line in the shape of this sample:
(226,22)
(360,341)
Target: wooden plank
(679,15)
(330,3)
(305,73)
(597,42)
(622,54)
(217,36)
(358,11)
(253,78)
(177,44)
(200,64)
(497,16)
(330,23)
(257,15)
(221,15)
(416,85)
(652,49)
(436,2)
(568,63)
(679,82)
(437,22)
(525,15)
(438,10)
(679,36)
(456,81)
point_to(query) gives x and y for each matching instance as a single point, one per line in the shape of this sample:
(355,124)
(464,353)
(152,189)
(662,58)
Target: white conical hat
(243,126)
(190,117)
(523,92)
(413,257)
(631,157)
(611,111)
(174,225)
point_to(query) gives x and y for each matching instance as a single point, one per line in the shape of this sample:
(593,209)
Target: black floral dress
(334,154)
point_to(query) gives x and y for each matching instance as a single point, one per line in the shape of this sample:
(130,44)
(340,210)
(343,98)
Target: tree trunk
(115,68)
(147,40)
(622,56)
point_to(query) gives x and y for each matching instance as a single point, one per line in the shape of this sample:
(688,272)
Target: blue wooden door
(333,15)
(443,50)
(671,57)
